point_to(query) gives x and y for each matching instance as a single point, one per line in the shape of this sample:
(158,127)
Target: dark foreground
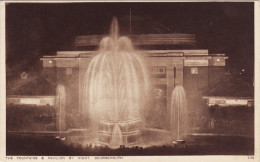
(234,126)
(30,145)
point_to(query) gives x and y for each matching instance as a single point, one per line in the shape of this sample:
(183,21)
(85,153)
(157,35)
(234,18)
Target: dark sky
(34,30)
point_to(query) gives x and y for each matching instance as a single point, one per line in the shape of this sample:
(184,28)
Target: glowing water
(116,83)
(60,103)
(178,112)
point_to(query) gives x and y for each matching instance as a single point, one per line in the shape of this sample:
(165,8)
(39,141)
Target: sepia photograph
(130,79)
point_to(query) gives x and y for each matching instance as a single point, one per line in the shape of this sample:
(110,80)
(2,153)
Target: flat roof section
(142,39)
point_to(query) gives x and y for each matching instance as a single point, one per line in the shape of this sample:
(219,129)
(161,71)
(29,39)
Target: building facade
(195,69)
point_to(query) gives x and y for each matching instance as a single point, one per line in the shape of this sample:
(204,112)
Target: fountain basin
(130,131)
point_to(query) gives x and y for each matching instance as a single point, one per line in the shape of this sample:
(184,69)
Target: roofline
(226,97)
(226,79)
(173,53)
(26,96)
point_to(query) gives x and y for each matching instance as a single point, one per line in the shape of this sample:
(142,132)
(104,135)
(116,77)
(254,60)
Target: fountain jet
(114,31)
(116,86)
(178,112)
(60,102)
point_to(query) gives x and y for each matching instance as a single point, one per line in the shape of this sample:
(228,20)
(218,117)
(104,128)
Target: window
(68,71)
(24,75)
(158,71)
(194,70)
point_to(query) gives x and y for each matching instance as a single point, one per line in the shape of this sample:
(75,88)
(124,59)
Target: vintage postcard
(155,81)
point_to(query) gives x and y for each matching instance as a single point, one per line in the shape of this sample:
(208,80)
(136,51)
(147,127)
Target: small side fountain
(116,86)
(178,114)
(60,102)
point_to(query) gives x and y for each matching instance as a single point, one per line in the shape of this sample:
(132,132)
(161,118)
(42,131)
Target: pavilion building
(172,60)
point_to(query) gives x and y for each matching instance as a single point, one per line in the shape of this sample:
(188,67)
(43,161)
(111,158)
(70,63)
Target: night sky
(34,30)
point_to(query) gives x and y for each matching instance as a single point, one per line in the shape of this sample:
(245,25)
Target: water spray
(60,103)
(116,82)
(178,114)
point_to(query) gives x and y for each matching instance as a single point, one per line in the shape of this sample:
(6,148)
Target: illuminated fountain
(116,86)
(178,114)
(60,103)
